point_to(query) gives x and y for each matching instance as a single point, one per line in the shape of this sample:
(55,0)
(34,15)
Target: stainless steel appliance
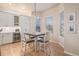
(16,36)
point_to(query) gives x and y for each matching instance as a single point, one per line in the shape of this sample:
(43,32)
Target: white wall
(71,42)
(55,12)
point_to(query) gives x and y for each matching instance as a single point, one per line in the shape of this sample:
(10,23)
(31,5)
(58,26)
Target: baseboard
(58,43)
(72,54)
(61,44)
(54,41)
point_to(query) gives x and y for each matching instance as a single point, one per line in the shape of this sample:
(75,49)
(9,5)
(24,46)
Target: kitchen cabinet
(6,19)
(6,38)
(11,20)
(0,38)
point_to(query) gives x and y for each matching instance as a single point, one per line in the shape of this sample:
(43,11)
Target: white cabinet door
(7,38)
(6,19)
(0,38)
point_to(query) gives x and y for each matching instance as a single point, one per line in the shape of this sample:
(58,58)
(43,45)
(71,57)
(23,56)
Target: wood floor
(14,49)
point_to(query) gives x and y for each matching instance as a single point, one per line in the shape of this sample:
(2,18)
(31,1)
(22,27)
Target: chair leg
(49,50)
(39,46)
(22,52)
(26,52)
(44,49)
(23,49)
(33,46)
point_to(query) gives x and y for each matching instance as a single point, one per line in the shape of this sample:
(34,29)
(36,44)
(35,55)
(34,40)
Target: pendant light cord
(35,8)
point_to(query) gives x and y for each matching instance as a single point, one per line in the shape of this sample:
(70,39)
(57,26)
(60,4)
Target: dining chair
(27,44)
(44,43)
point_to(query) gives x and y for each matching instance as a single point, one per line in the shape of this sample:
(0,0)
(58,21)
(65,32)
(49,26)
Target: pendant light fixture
(35,10)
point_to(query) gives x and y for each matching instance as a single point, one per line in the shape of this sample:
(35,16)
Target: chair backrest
(23,41)
(46,37)
(26,36)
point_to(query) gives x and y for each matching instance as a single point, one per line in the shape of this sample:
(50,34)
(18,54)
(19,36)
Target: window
(37,24)
(62,24)
(49,23)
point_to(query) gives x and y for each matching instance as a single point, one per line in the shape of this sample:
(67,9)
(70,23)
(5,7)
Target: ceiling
(43,6)
(39,6)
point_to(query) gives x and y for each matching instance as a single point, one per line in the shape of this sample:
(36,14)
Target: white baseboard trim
(61,44)
(54,41)
(72,54)
(58,43)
